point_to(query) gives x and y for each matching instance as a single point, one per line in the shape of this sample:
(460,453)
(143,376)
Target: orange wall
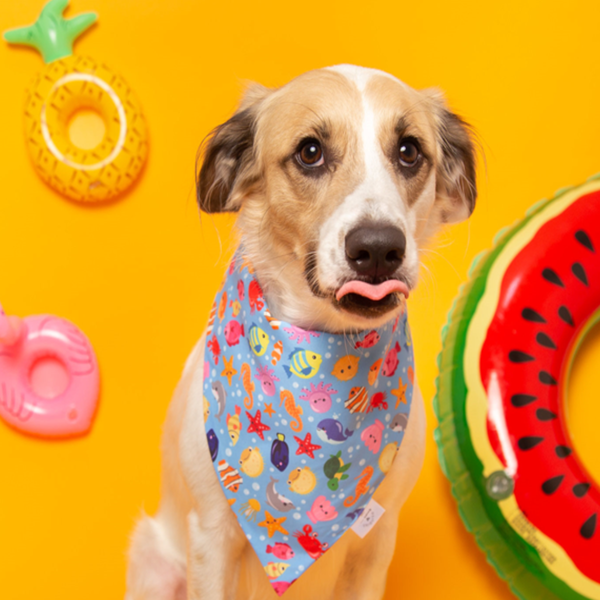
(138,276)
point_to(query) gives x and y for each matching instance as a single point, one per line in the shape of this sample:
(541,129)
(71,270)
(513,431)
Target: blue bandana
(302,426)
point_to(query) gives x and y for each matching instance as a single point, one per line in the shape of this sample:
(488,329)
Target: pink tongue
(373,292)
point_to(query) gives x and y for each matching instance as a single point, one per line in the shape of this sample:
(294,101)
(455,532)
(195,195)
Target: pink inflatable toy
(49,380)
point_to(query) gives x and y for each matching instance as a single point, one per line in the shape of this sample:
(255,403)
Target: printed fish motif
(362,487)
(391,361)
(222,306)
(281,551)
(241,293)
(280,453)
(213,444)
(206,408)
(275,324)
(233,332)
(235,307)
(220,396)
(292,409)
(277,352)
(276,569)
(233,425)
(302,480)
(211,319)
(358,400)
(304,364)
(279,587)
(258,339)
(251,462)
(230,477)
(369,340)
(346,367)
(246,377)
(374,371)
(332,431)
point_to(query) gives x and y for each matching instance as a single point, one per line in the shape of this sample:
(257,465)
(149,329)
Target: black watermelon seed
(543,414)
(531,315)
(579,272)
(589,527)
(543,340)
(562,451)
(580,489)
(528,442)
(546,378)
(519,400)
(551,485)
(582,237)
(552,277)
(565,315)
(517,356)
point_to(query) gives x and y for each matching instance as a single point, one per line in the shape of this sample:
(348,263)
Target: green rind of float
(514,559)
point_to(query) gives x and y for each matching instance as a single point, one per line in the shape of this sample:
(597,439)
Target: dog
(340,178)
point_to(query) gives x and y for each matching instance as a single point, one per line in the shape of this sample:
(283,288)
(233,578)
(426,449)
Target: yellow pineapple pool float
(69,84)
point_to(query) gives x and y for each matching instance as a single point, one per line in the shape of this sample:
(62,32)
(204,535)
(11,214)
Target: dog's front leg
(364,574)
(215,546)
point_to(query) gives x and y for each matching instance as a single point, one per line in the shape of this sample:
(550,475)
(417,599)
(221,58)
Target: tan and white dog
(340,177)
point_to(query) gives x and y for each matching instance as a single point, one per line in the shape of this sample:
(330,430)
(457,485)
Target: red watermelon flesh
(549,291)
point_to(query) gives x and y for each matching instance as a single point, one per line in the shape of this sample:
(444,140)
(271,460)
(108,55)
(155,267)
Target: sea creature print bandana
(302,426)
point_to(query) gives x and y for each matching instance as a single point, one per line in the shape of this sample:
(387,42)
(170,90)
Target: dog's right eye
(310,153)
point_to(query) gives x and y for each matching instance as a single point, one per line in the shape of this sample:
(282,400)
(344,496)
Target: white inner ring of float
(122,121)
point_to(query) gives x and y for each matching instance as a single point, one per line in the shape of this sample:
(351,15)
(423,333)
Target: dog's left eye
(409,152)
(310,154)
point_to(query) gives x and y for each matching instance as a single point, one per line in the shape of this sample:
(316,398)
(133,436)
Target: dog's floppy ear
(456,186)
(229,167)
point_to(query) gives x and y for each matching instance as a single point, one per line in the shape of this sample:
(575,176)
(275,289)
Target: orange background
(138,275)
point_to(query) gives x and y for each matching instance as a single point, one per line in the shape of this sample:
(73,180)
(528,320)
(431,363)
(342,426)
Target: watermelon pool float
(508,347)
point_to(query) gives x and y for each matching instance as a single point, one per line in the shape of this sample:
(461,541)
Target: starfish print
(256,425)
(400,392)
(269,409)
(297,334)
(52,35)
(228,371)
(246,264)
(272,524)
(305,447)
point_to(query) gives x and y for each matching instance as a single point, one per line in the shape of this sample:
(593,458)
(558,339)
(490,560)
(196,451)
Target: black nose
(375,251)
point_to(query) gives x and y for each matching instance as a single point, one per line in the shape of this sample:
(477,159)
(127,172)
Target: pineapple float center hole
(582,395)
(86,128)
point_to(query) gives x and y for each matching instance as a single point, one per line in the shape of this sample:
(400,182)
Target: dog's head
(340,178)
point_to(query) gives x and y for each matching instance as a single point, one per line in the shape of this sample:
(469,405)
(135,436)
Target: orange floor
(138,275)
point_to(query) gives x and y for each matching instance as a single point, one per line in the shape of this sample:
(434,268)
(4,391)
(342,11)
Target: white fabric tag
(370,515)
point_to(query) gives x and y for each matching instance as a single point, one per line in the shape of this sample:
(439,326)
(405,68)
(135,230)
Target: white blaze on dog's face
(340,176)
